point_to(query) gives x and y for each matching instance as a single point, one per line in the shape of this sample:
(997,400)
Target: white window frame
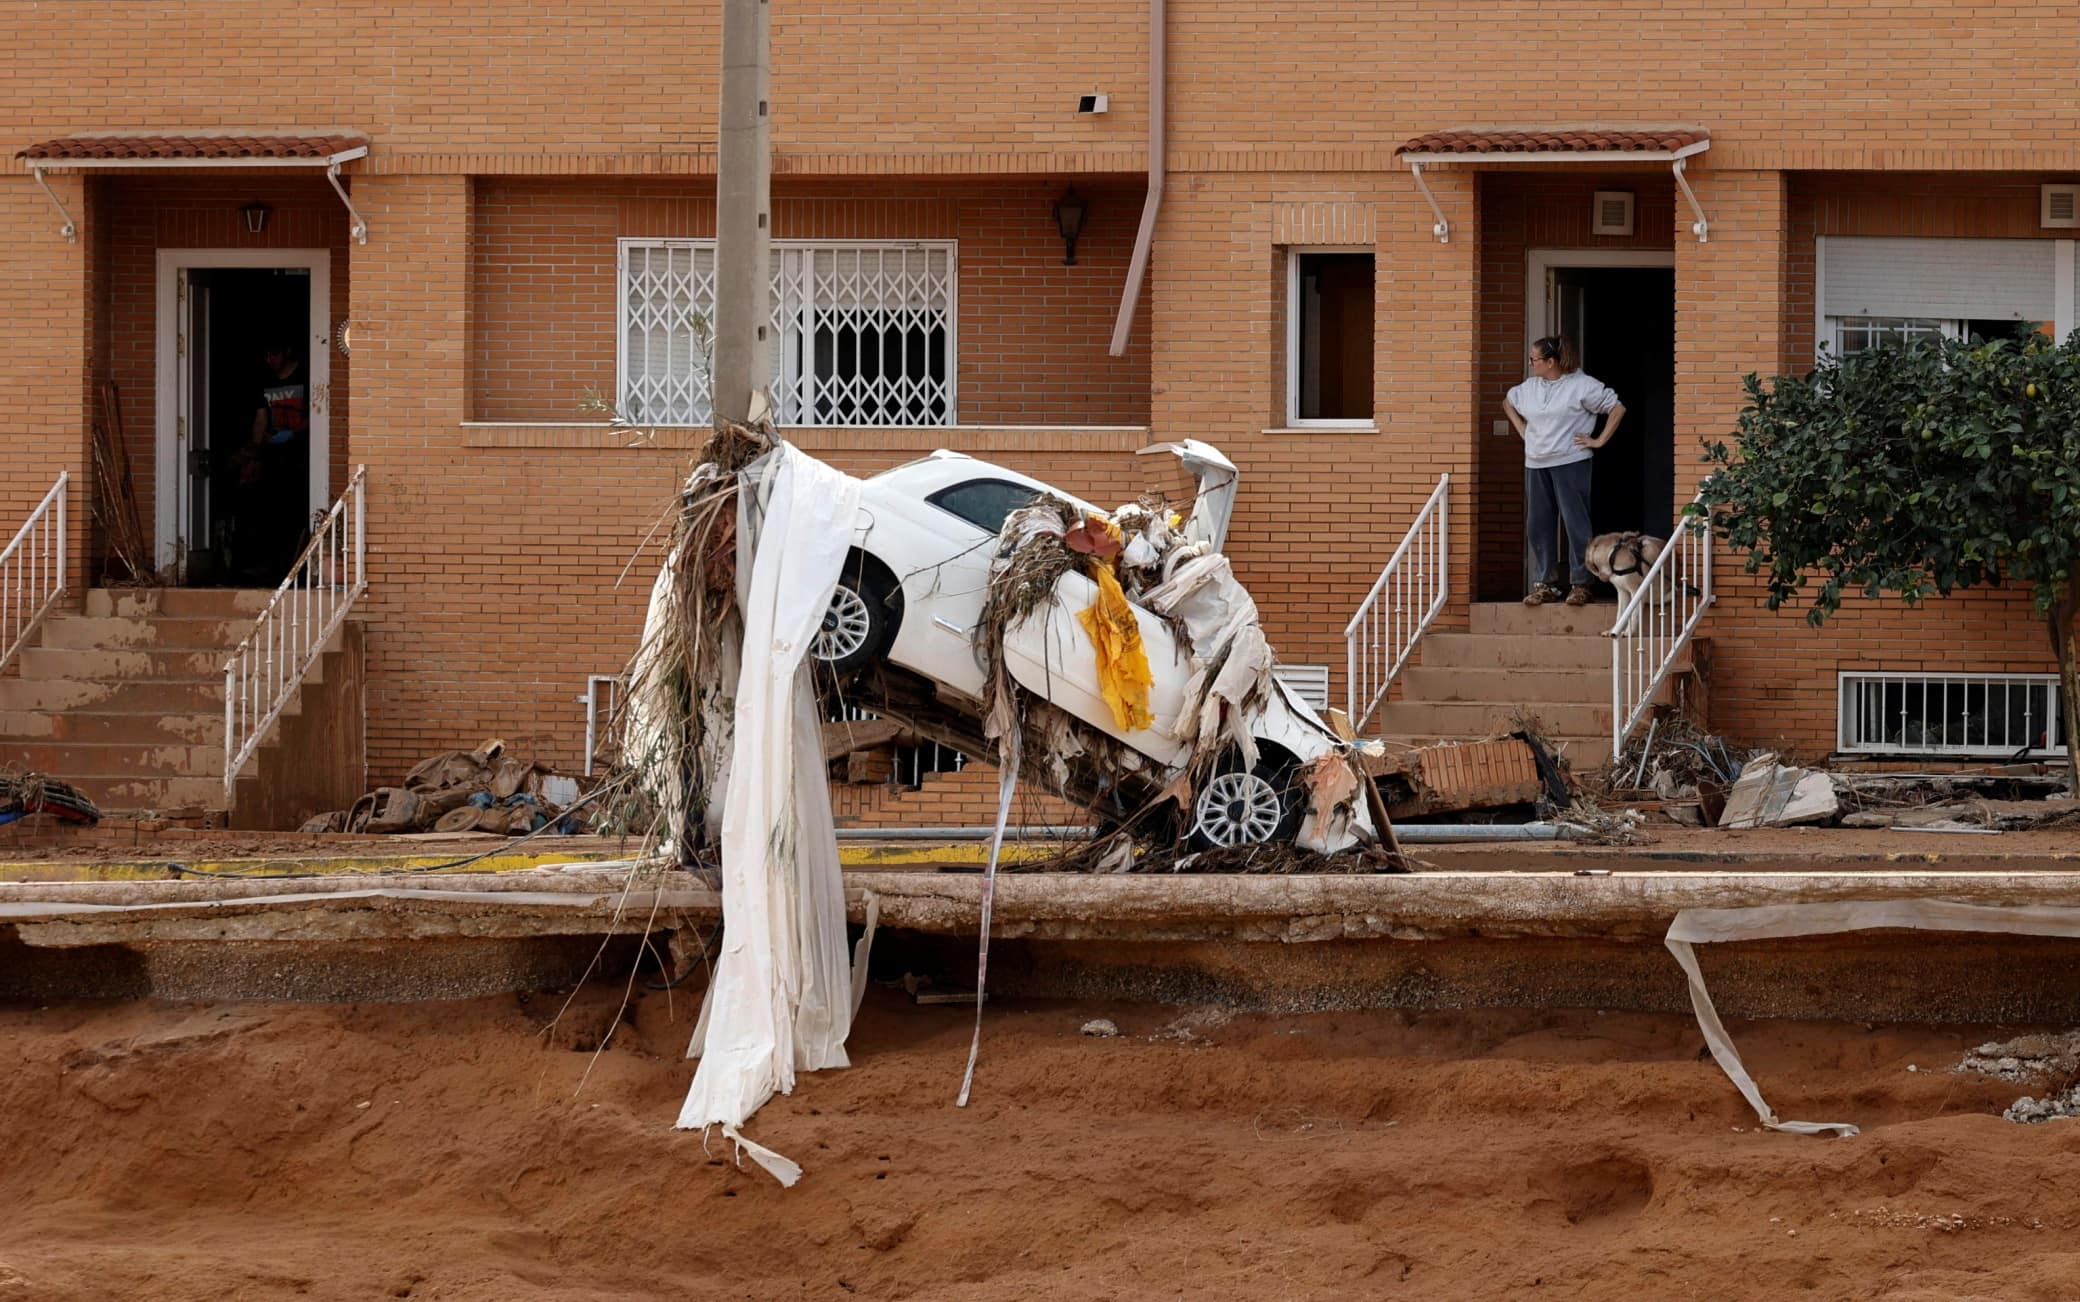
(778,356)
(1294,252)
(1831,340)
(1850,725)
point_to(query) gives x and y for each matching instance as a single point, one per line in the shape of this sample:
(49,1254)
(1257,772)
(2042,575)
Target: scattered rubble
(2026,1058)
(1770,793)
(483,790)
(1692,777)
(2052,1107)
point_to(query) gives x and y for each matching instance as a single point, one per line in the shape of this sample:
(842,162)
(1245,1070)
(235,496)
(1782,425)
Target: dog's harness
(1627,542)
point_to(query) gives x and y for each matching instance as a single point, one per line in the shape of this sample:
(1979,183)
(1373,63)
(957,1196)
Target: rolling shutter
(2010,280)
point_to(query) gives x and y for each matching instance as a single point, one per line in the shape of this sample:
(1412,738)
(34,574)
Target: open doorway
(242,445)
(1619,312)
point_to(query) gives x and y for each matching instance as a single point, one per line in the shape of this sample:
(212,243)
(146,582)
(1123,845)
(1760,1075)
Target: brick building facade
(516,157)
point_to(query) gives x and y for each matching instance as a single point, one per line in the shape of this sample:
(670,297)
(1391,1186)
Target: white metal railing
(293,627)
(1656,622)
(33,569)
(1404,600)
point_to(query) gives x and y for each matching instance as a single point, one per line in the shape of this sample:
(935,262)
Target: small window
(1853,334)
(1990,716)
(984,502)
(1329,338)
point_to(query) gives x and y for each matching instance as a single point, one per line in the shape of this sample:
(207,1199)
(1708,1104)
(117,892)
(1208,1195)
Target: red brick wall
(523,78)
(1033,333)
(47,302)
(1319,511)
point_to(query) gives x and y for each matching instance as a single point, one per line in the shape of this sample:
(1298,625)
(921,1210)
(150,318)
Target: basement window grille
(1967,715)
(863,334)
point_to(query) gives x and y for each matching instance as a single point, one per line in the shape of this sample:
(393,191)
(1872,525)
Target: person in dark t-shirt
(275,465)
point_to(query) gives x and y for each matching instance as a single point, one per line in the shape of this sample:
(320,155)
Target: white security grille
(1990,715)
(667,325)
(1853,334)
(864,333)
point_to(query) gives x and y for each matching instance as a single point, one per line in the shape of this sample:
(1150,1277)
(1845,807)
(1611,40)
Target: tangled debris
(677,720)
(24,793)
(483,790)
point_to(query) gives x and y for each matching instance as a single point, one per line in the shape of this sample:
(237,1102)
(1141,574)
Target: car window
(983,502)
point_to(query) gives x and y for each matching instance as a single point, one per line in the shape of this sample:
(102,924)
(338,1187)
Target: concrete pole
(743,206)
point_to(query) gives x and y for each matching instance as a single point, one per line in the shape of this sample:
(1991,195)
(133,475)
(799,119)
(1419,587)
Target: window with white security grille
(1987,715)
(1853,334)
(863,333)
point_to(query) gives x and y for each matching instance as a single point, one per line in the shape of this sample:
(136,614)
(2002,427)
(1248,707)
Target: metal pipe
(1409,833)
(1144,238)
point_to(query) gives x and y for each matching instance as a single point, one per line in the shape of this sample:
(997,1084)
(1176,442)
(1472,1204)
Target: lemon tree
(1912,471)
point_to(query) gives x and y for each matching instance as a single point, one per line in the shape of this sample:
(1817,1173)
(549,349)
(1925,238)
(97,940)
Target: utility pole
(743,207)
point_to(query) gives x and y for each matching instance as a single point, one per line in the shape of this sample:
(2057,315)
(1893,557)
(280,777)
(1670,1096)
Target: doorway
(242,441)
(1618,310)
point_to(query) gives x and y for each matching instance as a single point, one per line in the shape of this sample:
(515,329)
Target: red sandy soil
(447,1151)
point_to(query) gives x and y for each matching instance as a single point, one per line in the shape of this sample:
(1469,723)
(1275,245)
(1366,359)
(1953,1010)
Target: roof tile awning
(95,150)
(248,149)
(1489,146)
(1503,142)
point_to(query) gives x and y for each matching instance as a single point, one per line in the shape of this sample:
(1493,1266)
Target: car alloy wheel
(846,626)
(1238,809)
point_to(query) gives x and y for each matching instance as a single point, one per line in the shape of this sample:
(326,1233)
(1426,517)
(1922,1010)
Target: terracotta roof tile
(228,147)
(1555,141)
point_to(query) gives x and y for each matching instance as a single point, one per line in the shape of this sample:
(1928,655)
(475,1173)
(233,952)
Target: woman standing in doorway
(1555,413)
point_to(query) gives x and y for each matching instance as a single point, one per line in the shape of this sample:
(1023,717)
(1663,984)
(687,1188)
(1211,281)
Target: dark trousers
(1561,491)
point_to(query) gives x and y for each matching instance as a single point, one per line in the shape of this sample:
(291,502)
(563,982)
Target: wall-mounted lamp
(256,215)
(1068,219)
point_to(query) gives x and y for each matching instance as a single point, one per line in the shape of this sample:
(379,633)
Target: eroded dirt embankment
(447,1151)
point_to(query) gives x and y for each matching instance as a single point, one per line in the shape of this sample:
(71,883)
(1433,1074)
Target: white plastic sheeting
(782,999)
(1693,927)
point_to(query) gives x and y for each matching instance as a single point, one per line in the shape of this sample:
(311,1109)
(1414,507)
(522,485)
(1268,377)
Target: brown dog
(1622,560)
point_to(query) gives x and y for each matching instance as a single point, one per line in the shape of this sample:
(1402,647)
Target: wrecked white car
(909,633)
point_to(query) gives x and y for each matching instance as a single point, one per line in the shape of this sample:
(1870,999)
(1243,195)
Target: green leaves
(1908,470)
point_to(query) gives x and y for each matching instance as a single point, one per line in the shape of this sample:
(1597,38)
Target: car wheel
(1239,806)
(859,624)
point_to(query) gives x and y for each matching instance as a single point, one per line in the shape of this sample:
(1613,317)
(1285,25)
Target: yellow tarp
(1123,674)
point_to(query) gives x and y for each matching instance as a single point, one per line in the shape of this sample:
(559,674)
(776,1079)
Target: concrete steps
(124,698)
(1551,663)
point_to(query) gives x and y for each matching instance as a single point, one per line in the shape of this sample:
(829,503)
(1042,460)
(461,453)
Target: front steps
(125,698)
(1551,663)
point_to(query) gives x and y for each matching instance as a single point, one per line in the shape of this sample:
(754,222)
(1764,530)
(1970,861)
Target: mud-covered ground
(473,1150)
